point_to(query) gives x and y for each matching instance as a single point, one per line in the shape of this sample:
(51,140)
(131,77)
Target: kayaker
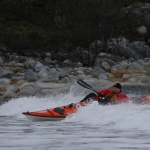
(108,96)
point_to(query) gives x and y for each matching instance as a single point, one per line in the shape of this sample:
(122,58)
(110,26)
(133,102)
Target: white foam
(122,116)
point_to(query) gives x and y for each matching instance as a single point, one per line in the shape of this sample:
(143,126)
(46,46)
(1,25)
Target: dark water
(22,134)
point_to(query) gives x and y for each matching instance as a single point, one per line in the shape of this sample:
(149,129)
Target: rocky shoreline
(22,76)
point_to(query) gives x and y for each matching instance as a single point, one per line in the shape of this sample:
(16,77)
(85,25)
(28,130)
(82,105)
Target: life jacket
(115,98)
(112,97)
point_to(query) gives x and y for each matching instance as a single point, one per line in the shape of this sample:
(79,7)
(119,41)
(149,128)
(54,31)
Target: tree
(82,22)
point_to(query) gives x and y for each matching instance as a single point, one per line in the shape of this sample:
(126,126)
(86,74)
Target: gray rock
(64,90)
(65,80)
(26,84)
(19,78)
(78,64)
(98,62)
(141,49)
(40,94)
(61,76)
(2,101)
(42,85)
(4,82)
(126,76)
(102,76)
(106,66)
(79,72)
(144,65)
(134,67)
(141,9)
(20,64)
(42,74)
(114,69)
(132,80)
(48,92)
(102,54)
(48,54)
(48,60)
(48,79)
(123,48)
(142,30)
(82,77)
(1,60)
(27,91)
(20,82)
(39,67)
(14,58)
(148,42)
(98,70)
(12,63)
(54,73)
(145,80)
(30,76)
(109,75)
(123,65)
(9,95)
(67,62)
(30,64)
(12,88)
(6,73)
(96,44)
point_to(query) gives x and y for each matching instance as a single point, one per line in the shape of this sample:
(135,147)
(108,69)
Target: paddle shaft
(85,85)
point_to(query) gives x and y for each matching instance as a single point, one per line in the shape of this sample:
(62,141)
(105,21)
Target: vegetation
(47,24)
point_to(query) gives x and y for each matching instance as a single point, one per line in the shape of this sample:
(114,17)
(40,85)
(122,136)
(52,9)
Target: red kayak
(54,114)
(140,100)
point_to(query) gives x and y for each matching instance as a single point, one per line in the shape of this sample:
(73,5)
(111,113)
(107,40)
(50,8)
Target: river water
(94,127)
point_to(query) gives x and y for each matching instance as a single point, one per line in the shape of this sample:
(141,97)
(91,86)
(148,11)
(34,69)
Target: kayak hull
(39,118)
(54,114)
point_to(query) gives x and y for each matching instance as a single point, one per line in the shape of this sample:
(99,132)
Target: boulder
(12,88)
(30,64)
(4,82)
(27,91)
(145,80)
(30,76)
(102,76)
(123,65)
(106,66)
(39,67)
(142,30)
(135,67)
(6,73)
(9,95)
(42,85)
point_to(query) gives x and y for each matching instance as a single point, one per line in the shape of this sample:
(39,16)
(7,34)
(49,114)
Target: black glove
(101,95)
(103,100)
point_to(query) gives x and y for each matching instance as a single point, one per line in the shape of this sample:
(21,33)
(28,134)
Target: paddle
(85,85)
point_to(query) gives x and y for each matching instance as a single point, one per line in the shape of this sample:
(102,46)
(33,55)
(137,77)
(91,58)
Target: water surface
(94,127)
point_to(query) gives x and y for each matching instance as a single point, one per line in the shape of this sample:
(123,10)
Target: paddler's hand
(101,95)
(103,100)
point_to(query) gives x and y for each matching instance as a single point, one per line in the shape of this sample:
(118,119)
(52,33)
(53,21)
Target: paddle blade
(84,84)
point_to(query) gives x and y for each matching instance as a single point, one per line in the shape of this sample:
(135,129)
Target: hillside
(46,25)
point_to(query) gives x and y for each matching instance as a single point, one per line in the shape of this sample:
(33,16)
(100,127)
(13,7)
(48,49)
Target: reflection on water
(16,134)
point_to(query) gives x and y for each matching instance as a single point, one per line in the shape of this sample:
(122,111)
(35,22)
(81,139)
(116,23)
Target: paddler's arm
(102,93)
